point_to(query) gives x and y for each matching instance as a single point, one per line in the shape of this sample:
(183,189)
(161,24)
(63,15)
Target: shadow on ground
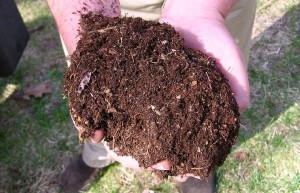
(274,73)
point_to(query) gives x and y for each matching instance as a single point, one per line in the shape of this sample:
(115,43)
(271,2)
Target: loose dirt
(156,98)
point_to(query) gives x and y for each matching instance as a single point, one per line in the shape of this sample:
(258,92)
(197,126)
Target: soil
(156,98)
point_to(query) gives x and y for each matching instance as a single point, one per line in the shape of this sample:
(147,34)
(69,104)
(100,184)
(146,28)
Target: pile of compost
(155,98)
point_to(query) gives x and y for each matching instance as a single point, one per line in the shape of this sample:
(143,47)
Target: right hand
(127,161)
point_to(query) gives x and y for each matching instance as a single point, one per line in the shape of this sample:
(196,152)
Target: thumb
(98,136)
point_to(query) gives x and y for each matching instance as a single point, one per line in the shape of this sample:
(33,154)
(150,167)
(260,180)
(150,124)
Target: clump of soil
(156,98)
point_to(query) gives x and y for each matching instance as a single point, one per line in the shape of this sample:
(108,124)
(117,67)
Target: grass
(272,163)
(37,138)
(120,179)
(270,134)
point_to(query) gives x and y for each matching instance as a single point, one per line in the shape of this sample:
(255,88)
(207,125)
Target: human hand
(202,25)
(130,162)
(67,16)
(127,161)
(209,37)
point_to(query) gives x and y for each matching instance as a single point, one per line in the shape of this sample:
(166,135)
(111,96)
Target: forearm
(67,15)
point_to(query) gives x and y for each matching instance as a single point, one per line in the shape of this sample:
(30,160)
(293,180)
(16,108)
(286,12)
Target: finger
(97,136)
(163,165)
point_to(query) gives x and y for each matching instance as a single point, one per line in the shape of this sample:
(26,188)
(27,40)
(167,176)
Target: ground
(37,138)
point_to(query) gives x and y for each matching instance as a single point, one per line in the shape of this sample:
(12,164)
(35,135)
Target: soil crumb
(156,98)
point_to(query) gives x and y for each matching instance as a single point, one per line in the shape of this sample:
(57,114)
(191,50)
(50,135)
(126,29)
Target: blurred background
(37,138)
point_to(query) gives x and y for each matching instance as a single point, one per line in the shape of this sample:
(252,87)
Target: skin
(67,16)
(200,23)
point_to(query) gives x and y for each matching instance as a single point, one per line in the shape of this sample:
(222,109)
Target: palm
(211,37)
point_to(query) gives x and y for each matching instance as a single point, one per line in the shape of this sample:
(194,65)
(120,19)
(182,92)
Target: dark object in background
(13,37)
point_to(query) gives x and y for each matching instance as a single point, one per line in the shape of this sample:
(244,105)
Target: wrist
(67,15)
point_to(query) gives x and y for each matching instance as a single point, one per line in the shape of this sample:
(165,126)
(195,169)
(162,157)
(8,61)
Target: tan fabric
(239,23)
(95,155)
(146,9)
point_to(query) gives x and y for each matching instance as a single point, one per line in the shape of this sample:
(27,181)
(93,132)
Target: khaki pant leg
(240,23)
(146,9)
(95,155)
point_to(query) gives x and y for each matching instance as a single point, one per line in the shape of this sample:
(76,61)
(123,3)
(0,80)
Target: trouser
(239,23)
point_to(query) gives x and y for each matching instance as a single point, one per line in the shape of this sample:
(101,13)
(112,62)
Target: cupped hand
(202,25)
(66,14)
(130,162)
(127,161)
(205,30)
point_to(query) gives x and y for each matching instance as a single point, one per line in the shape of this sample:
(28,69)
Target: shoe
(195,185)
(76,175)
